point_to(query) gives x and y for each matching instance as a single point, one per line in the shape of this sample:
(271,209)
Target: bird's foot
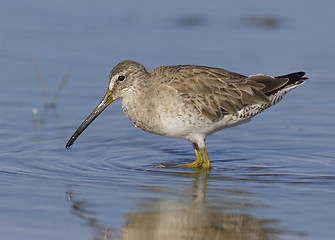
(196,164)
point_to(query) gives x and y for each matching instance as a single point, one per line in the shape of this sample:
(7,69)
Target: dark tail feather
(294,77)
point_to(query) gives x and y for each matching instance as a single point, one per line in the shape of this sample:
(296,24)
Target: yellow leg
(207,163)
(198,161)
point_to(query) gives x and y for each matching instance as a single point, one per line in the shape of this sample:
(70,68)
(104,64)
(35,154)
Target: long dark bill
(108,99)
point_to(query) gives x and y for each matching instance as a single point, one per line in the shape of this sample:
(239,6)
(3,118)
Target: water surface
(272,178)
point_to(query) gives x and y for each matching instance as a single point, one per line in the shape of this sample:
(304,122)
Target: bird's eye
(121,78)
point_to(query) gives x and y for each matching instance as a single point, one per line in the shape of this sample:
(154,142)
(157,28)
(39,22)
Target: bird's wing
(215,92)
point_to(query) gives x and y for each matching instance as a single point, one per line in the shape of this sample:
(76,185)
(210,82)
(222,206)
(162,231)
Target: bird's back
(215,92)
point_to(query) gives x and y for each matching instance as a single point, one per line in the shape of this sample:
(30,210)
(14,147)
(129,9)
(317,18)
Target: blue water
(272,178)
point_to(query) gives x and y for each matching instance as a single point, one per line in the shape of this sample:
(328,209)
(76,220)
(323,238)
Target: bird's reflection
(186,215)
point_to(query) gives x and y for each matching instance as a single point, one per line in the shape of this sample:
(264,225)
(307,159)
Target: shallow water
(272,178)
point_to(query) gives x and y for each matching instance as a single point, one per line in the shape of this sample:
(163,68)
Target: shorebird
(188,101)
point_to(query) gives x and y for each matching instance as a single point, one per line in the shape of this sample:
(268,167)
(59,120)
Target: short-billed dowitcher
(191,102)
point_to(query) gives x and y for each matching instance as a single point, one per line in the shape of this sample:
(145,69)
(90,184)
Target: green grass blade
(61,86)
(40,81)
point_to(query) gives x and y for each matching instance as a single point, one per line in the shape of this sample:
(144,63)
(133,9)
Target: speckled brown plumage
(190,102)
(214,91)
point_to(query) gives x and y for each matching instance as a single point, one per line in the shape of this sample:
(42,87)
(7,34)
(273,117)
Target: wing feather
(215,92)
